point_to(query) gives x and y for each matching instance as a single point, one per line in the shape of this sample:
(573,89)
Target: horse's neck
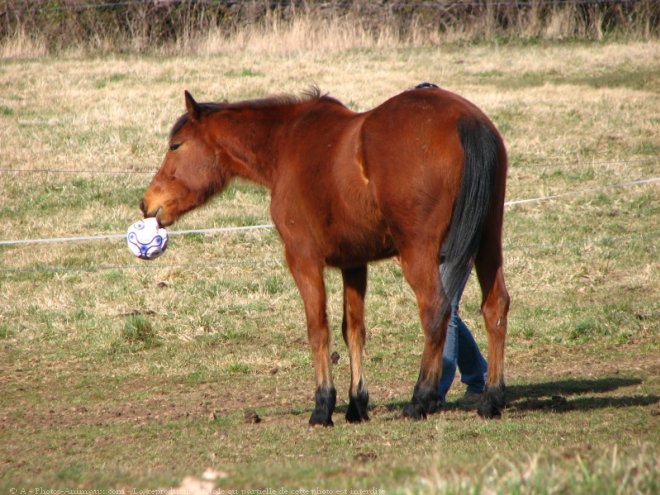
(255,135)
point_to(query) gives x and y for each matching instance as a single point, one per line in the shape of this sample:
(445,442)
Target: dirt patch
(166,402)
(575,380)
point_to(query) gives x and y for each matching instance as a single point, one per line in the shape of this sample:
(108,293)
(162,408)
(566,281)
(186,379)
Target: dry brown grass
(57,26)
(225,319)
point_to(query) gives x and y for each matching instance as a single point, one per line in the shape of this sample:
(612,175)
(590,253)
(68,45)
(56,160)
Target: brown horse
(423,171)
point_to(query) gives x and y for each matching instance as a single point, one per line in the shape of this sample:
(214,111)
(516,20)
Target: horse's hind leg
(495,309)
(355,288)
(420,267)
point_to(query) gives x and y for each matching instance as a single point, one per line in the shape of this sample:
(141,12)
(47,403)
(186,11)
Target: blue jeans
(461,350)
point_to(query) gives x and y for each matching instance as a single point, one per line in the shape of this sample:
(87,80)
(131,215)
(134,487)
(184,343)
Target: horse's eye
(174,146)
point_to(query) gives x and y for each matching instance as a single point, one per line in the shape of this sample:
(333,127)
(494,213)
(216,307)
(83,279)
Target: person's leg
(472,365)
(450,352)
(449,359)
(461,350)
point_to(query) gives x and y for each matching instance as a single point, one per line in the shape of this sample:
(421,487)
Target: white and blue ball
(146,239)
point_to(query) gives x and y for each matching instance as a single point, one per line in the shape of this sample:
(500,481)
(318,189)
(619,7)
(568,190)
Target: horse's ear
(192,106)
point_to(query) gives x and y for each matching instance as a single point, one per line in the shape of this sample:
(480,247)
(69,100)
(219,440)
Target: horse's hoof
(325,399)
(492,402)
(355,416)
(318,420)
(357,407)
(414,411)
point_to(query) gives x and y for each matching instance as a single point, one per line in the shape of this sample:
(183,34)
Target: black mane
(311,94)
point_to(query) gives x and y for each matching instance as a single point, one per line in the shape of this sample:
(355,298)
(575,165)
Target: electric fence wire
(514,165)
(606,241)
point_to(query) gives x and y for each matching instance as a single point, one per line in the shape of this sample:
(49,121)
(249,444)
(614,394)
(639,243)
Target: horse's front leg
(308,275)
(355,288)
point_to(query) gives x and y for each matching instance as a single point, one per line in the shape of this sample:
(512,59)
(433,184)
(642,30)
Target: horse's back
(419,123)
(355,181)
(414,158)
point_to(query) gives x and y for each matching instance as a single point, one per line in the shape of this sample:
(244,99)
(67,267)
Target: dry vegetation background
(37,27)
(116,373)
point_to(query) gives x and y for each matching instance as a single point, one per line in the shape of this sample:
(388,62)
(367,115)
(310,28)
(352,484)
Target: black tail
(480,146)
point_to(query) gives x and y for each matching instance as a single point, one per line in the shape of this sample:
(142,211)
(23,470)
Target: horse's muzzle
(150,214)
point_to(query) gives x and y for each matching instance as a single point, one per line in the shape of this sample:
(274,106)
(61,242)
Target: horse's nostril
(143,208)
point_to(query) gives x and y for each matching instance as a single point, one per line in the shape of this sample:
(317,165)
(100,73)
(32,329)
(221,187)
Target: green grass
(118,373)
(624,75)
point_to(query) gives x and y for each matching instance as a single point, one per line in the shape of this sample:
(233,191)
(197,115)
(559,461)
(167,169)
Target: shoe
(469,401)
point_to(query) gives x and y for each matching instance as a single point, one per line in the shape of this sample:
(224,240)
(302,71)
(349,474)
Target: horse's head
(192,170)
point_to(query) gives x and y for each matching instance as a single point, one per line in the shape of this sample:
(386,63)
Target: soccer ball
(146,239)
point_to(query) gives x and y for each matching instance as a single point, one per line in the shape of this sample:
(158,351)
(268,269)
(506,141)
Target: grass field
(121,374)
